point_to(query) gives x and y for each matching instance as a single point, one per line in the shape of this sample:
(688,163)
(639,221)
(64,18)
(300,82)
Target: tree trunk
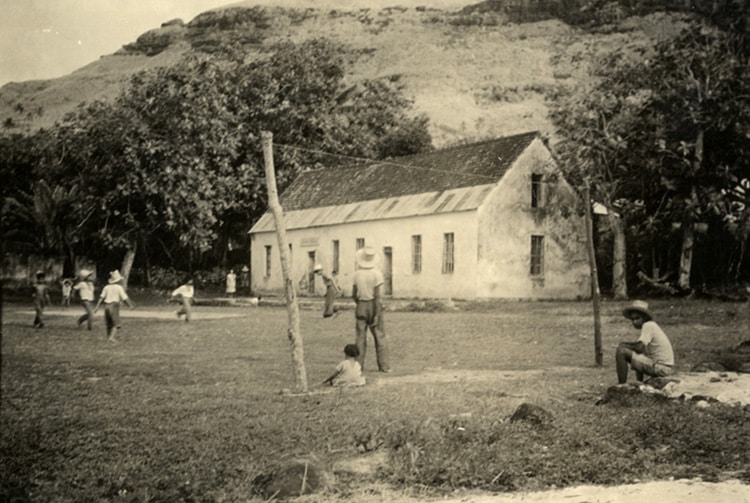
(595,293)
(127,264)
(688,233)
(293,330)
(686,256)
(146,263)
(619,257)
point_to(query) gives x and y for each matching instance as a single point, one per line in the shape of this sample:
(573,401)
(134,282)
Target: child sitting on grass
(348,372)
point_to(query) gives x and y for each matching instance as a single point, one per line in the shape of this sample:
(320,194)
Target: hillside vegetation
(473,72)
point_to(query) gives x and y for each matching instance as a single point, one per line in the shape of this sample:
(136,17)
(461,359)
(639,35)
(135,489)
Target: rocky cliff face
(474,72)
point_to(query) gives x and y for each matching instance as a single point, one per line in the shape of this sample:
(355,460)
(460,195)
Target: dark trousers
(88,317)
(365,315)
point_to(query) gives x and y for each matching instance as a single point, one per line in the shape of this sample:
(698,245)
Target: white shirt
(113,293)
(85,290)
(658,347)
(366,280)
(186,291)
(350,374)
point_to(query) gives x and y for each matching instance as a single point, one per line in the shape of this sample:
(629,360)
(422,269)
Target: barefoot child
(111,296)
(67,291)
(348,372)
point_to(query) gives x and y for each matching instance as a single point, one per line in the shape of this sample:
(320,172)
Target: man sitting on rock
(651,354)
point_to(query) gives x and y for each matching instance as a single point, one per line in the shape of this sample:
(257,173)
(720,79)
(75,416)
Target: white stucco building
(493,219)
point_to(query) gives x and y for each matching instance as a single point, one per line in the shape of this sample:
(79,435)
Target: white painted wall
(395,233)
(507,222)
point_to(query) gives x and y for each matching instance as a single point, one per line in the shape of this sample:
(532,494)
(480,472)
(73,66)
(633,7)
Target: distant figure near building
(41,299)
(245,277)
(185,294)
(651,354)
(332,291)
(231,283)
(366,292)
(85,289)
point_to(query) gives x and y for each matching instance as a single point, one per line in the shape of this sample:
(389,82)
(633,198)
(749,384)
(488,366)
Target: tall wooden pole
(595,293)
(293,331)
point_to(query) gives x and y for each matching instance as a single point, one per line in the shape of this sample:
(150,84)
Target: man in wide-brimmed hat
(368,281)
(332,291)
(85,289)
(111,296)
(651,354)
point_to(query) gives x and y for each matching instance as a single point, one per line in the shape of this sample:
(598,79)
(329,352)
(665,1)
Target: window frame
(536,256)
(268,249)
(537,181)
(416,253)
(449,253)
(335,256)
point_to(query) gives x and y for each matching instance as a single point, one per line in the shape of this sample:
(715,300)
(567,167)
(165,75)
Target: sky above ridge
(44,39)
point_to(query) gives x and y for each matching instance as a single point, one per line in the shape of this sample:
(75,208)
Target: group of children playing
(347,373)
(112,295)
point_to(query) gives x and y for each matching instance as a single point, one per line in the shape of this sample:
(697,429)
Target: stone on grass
(626,395)
(533,414)
(661,382)
(708,367)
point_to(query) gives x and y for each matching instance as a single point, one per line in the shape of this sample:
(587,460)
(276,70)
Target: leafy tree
(175,163)
(41,221)
(700,98)
(663,134)
(596,126)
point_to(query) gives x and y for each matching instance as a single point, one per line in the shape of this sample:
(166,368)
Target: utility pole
(293,330)
(595,293)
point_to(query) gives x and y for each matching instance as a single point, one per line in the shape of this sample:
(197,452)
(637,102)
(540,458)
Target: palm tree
(46,221)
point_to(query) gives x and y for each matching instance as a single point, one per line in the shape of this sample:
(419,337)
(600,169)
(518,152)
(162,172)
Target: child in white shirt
(184,294)
(349,371)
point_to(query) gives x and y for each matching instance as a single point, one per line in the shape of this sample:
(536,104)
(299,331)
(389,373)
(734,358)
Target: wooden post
(595,293)
(293,330)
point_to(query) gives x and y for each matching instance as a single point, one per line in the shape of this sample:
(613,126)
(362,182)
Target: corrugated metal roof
(437,171)
(442,181)
(428,203)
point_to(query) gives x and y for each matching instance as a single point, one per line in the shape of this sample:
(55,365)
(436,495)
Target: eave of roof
(425,203)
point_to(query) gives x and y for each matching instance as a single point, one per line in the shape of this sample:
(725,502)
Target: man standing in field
(651,354)
(366,292)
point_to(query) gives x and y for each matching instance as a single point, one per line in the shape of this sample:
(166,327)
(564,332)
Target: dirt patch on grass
(675,491)
(725,387)
(443,376)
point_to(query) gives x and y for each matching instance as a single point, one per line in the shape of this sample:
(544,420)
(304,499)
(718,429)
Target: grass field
(195,412)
